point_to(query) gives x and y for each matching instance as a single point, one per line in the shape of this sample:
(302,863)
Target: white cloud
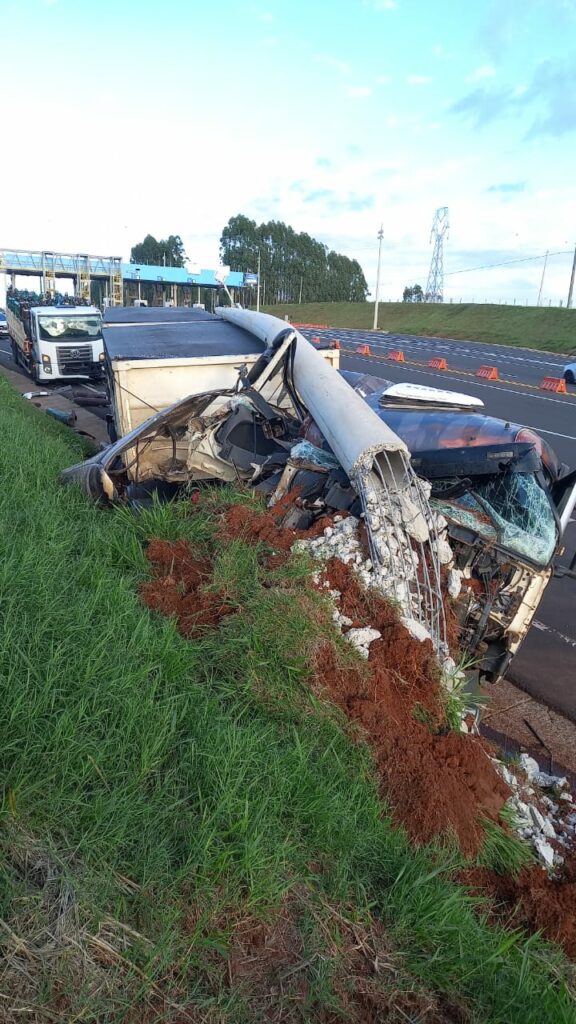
(359,92)
(265,16)
(382,79)
(418,79)
(328,61)
(383,5)
(486,71)
(391,121)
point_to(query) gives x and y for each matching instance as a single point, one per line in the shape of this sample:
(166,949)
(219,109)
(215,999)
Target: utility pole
(571,288)
(258,286)
(380,237)
(301,280)
(542,280)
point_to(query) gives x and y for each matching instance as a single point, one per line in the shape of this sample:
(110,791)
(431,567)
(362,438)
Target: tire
(569,377)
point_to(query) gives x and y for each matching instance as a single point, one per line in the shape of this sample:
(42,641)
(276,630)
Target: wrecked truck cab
(505,497)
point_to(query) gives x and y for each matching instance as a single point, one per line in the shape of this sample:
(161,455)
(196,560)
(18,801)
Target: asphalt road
(546,664)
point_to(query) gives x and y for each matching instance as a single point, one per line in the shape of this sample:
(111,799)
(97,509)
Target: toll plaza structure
(108,281)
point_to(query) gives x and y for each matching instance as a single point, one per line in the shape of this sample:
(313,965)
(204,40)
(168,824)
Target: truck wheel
(569,377)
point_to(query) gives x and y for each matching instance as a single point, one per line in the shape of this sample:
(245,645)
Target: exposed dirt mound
(180,588)
(436,781)
(241,522)
(532,901)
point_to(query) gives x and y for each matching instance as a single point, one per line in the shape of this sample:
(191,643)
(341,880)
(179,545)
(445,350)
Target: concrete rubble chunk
(416,629)
(454,583)
(544,851)
(362,638)
(550,781)
(542,823)
(530,766)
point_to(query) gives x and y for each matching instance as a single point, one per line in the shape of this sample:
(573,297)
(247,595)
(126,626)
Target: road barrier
(334,343)
(363,350)
(397,356)
(557,384)
(317,326)
(438,363)
(489,372)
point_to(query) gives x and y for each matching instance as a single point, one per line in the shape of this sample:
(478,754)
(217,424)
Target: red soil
(180,588)
(254,525)
(533,901)
(437,782)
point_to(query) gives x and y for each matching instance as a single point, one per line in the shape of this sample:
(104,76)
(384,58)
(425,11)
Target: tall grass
(170,776)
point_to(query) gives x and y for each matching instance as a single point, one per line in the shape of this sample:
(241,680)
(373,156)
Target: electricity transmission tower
(435,285)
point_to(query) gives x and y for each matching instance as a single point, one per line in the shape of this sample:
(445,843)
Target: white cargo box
(170,354)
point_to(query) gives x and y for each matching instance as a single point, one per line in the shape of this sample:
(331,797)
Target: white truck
(54,343)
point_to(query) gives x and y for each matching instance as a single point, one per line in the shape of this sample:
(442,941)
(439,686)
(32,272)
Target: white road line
(5,352)
(471,383)
(561,636)
(569,437)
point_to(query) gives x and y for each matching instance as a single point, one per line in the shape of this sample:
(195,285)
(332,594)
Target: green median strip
(546,329)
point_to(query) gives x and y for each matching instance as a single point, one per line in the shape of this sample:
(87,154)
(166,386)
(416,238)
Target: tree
(293,267)
(413,294)
(168,252)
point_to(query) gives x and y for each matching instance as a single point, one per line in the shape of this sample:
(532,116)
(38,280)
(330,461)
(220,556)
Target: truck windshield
(511,509)
(60,328)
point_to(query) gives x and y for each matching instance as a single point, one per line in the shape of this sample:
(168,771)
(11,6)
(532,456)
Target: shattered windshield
(59,328)
(511,509)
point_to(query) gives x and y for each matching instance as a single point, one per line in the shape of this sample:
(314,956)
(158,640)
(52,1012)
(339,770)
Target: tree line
(164,252)
(294,267)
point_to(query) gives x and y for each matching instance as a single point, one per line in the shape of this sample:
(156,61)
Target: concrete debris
(454,583)
(416,629)
(530,766)
(362,638)
(542,808)
(544,851)
(549,825)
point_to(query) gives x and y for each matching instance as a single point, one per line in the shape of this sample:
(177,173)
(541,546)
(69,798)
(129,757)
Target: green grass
(155,789)
(552,330)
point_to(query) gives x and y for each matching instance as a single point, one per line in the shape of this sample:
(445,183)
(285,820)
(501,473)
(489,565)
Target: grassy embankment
(164,798)
(553,330)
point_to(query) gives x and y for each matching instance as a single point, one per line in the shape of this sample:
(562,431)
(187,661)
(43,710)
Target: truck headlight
(46,364)
(101,357)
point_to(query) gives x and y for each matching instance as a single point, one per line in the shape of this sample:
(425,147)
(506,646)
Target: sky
(335,116)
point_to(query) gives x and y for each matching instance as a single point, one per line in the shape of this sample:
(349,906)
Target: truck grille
(75,360)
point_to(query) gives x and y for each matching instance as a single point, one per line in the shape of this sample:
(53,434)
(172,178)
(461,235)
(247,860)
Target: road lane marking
(569,437)
(5,352)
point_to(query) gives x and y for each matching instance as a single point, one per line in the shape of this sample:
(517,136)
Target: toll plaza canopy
(43,263)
